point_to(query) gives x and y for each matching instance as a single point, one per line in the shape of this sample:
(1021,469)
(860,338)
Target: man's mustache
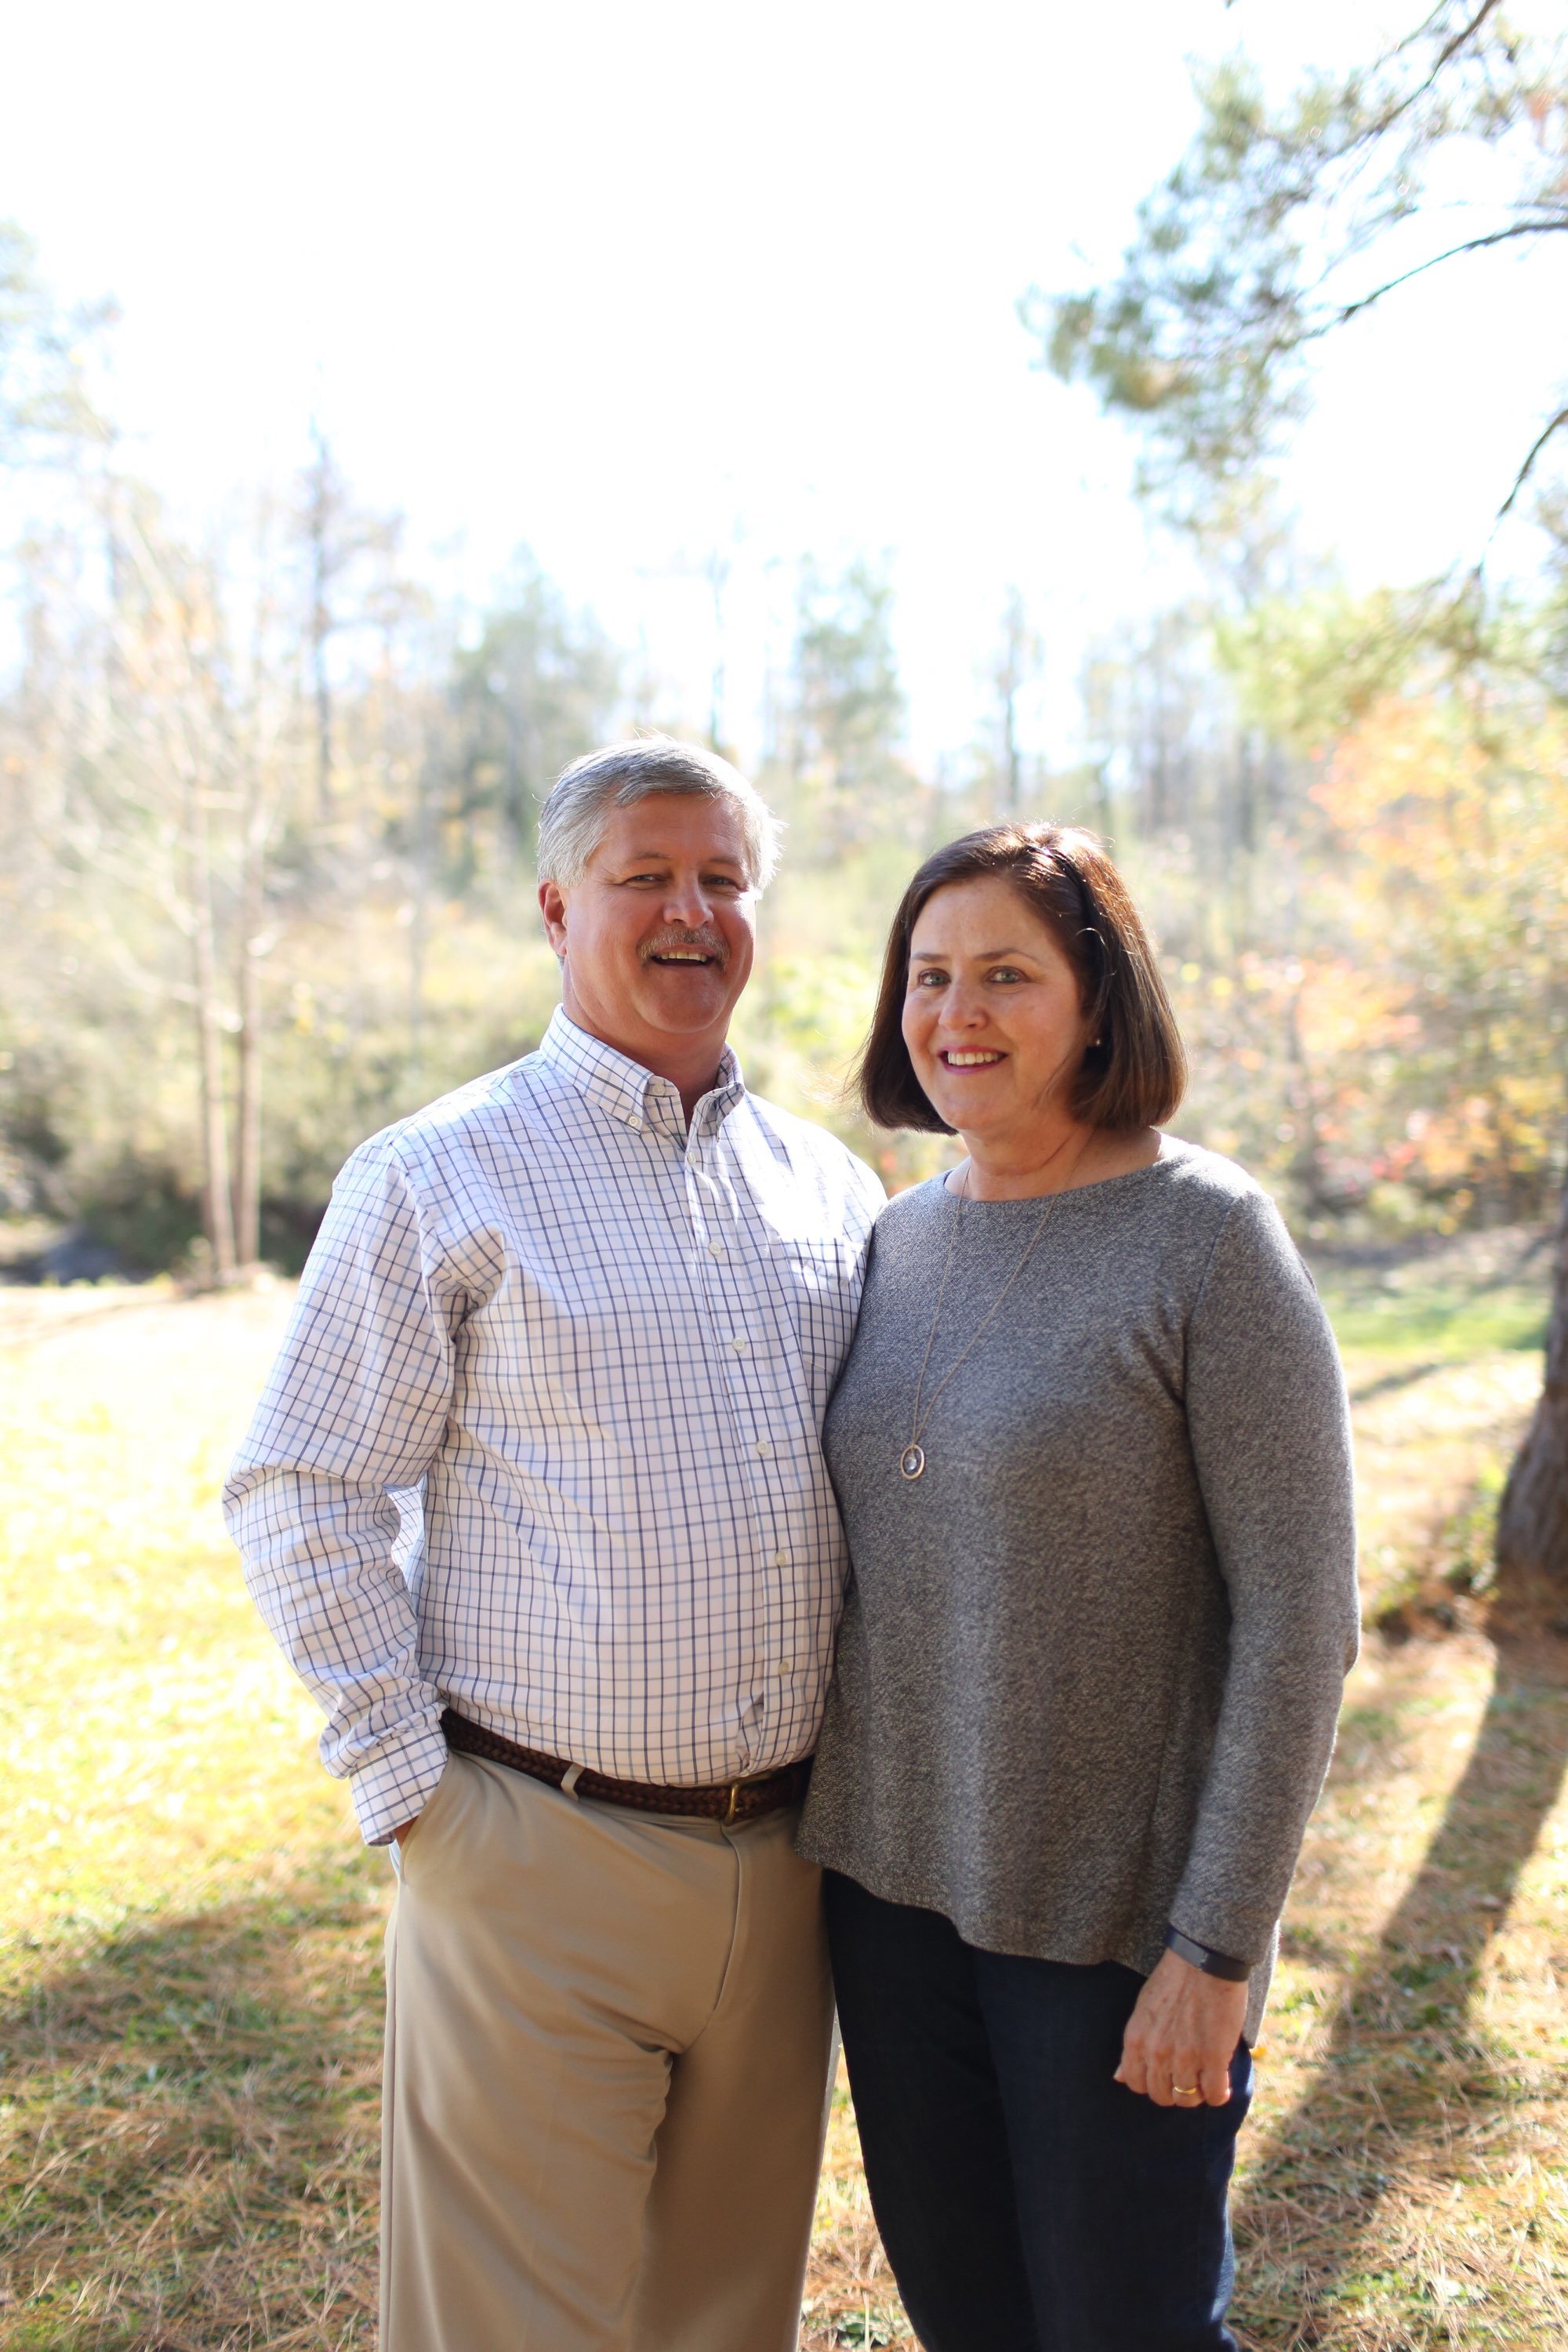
(709,942)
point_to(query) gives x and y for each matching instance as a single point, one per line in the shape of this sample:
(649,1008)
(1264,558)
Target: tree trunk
(252,951)
(1533,1520)
(1104,807)
(1020,657)
(218,1205)
(1010,761)
(319,520)
(247,1123)
(419,916)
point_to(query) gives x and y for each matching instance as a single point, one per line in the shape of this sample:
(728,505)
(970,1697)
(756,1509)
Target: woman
(1091,1449)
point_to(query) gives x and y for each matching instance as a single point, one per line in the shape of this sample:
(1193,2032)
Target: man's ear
(553,907)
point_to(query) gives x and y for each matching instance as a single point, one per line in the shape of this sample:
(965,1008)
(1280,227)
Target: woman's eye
(1006,971)
(930,979)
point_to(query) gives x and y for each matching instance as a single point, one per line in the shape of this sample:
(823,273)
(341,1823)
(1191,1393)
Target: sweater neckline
(1171,1149)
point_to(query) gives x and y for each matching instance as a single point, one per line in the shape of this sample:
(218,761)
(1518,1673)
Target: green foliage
(539,689)
(43,398)
(848,707)
(1274,226)
(249,843)
(865,2328)
(1306,669)
(147,1214)
(1196,333)
(265,824)
(1312,667)
(1417,1000)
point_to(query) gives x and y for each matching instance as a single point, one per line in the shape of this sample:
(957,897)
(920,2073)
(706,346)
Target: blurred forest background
(269,800)
(267,821)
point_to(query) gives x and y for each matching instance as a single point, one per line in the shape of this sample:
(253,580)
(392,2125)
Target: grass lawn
(190,1971)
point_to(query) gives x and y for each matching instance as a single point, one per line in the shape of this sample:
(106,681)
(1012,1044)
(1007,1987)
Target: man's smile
(688,952)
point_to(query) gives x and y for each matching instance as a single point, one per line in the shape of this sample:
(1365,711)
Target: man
(594,1305)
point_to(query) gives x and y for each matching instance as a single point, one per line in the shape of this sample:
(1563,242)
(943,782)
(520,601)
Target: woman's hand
(1182,2036)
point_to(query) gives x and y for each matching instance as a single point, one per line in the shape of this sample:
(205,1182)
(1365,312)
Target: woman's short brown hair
(1134,1074)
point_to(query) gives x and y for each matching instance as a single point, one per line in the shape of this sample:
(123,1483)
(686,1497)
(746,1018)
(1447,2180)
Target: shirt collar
(617,1083)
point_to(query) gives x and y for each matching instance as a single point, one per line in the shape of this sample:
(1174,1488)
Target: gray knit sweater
(1091,1662)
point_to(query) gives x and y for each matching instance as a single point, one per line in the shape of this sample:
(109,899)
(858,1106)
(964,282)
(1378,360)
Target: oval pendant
(912,1461)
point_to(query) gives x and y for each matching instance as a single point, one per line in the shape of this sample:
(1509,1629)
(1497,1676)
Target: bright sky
(632,283)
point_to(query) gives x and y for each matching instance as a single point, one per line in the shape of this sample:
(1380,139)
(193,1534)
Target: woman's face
(991,1016)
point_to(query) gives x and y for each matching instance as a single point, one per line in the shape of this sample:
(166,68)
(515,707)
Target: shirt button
(786,1667)
(781,1559)
(739,1346)
(763,1448)
(715,1249)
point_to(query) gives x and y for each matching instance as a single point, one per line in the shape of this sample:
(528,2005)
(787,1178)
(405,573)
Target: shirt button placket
(728,1312)
(762,1381)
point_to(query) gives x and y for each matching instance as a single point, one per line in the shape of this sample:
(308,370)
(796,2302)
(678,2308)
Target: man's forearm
(317,1552)
(353,1414)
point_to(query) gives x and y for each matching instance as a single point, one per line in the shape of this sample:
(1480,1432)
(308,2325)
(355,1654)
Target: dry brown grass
(190,1976)
(192,2159)
(1403,2184)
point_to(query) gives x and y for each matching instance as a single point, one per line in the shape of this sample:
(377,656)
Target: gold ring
(1177,2092)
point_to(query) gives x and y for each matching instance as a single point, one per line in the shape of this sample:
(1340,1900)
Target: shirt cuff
(398,1782)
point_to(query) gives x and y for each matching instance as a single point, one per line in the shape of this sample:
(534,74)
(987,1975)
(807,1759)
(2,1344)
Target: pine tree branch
(1382,124)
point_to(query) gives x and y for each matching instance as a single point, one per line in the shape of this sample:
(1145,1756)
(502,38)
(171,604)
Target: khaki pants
(607,2065)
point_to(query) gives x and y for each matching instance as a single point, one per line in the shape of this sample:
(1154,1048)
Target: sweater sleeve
(1270,1424)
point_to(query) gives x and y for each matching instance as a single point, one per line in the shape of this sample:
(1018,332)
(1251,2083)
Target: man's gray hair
(571,822)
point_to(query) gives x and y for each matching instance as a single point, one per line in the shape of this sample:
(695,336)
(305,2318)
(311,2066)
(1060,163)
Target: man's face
(658,938)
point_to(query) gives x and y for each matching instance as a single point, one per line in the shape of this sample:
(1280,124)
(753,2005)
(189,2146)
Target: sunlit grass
(190,1969)
(189,1966)
(1442,1323)
(153,1734)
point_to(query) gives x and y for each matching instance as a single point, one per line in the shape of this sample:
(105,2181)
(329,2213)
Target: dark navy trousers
(1027,2202)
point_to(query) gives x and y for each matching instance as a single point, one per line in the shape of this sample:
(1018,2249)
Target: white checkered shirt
(602,1347)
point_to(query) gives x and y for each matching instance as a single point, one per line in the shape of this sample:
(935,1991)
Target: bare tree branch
(1451,48)
(1536,446)
(1471,244)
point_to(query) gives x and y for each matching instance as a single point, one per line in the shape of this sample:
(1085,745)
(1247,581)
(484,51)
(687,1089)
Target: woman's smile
(983,966)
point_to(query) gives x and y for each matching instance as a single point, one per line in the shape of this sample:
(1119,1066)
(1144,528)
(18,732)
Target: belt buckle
(729,1815)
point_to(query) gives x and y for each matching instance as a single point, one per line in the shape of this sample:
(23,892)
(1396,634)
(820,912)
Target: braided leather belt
(726,1801)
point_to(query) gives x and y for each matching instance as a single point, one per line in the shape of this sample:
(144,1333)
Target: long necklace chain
(913,1460)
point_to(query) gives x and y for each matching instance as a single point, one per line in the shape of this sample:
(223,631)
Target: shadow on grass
(189,2152)
(1409,2078)
(1404,1376)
